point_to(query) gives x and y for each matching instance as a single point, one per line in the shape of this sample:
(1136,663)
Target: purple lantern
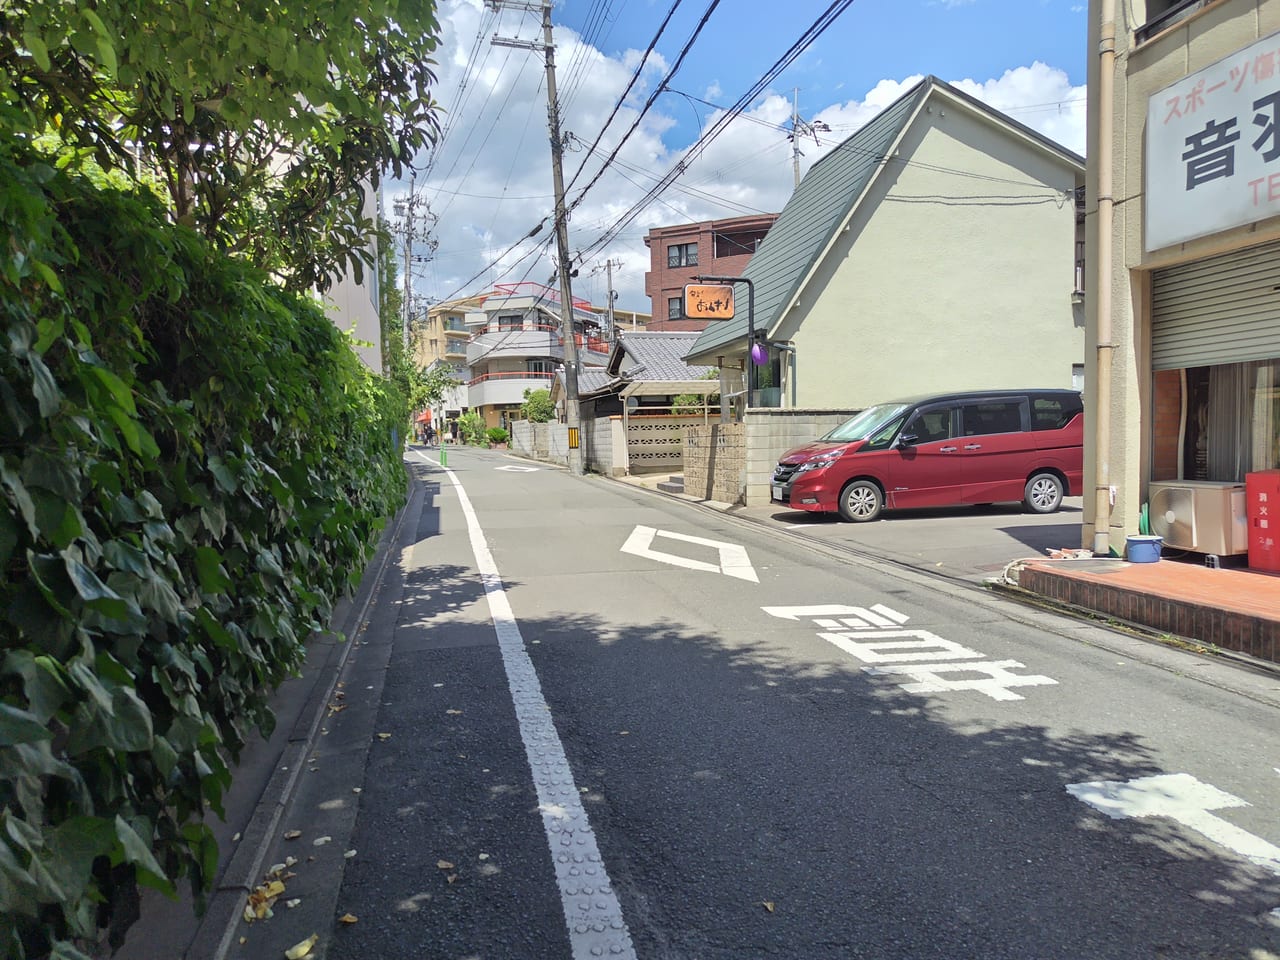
(759,354)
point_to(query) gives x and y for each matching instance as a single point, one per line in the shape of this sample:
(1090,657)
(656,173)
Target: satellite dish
(759,354)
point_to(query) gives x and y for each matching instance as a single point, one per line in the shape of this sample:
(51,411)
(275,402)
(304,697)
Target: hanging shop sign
(1213,148)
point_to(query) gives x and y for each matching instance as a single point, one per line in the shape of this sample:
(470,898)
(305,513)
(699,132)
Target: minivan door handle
(946,449)
(973,446)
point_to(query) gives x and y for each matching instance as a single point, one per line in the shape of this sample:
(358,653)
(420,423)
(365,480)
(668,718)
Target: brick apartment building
(678,254)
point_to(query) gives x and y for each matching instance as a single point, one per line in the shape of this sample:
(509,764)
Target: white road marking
(1180,797)
(591,909)
(928,678)
(512,468)
(834,610)
(919,645)
(734,561)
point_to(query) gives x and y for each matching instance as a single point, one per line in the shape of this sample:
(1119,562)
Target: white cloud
(491,184)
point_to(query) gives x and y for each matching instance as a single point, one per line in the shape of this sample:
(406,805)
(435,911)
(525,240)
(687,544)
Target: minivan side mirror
(907,439)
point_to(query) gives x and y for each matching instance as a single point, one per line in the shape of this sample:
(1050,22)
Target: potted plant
(497,438)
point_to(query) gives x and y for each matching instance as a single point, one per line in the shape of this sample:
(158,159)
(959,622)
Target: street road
(587,720)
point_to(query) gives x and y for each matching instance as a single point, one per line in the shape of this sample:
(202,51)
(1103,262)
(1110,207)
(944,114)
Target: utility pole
(609,319)
(801,127)
(412,226)
(563,267)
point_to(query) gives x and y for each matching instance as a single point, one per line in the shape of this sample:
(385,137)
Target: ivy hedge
(193,466)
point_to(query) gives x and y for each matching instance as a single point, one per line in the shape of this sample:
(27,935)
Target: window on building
(682,255)
(675,308)
(538,366)
(1162,14)
(510,321)
(1232,424)
(1077,376)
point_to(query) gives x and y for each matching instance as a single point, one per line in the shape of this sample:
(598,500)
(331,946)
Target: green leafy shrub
(537,406)
(193,466)
(471,427)
(497,435)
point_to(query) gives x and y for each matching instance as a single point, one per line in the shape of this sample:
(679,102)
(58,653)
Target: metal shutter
(1222,309)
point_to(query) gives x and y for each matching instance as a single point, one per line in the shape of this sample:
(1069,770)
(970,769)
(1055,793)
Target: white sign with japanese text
(1213,148)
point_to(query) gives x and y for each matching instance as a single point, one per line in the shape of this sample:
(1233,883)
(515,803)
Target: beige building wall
(354,306)
(1191,44)
(943,281)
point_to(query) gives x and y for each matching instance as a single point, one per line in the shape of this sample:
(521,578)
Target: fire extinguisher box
(1262,507)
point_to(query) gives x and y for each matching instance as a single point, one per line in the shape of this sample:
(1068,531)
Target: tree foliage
(265,119)
(537,406)
(193,465)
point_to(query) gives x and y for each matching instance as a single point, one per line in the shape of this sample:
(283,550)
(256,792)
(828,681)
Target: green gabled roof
(807,223)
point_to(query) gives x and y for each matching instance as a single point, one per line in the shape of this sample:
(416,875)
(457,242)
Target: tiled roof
(660,356)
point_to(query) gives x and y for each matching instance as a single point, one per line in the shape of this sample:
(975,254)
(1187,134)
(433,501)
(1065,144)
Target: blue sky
(489,182)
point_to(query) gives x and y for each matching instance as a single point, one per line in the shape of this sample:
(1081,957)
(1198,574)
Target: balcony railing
(511,375)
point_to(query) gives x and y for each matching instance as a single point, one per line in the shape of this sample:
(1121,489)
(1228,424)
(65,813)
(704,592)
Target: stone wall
(715,456)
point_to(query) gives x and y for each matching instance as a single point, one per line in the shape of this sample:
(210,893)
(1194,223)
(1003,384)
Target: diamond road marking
(734,561)
(512,468)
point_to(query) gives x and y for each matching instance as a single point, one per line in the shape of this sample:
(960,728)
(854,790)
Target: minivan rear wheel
(1043,493)
(861,501)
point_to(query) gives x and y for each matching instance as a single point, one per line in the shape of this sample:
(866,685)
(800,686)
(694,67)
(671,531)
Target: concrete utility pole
(609,318)
(563,266)
(413,218)
(799,127)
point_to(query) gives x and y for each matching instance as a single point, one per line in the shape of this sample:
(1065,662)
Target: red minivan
(942,450)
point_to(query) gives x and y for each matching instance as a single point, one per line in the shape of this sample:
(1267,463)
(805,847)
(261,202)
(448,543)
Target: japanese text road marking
(874,635)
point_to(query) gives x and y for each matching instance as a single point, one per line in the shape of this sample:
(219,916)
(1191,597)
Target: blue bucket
(1143,549)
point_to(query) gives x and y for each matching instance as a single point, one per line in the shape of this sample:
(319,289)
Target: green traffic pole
(444,455)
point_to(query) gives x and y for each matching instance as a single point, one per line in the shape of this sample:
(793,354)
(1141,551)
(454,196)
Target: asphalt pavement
(752,795)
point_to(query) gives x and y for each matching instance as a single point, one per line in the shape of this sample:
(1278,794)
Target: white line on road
(591,909)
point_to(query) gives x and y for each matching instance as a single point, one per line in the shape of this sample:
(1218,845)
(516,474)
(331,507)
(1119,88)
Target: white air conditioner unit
(1199,515)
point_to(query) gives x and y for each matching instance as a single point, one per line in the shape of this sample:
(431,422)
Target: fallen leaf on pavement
(484,856)
(349,854)
(454,713)
(767,904)
(444,864)
(348,918)
(451,877)
(261,899)
(320,841)
(293,834)
(384,736)
(300,950)
(293,903)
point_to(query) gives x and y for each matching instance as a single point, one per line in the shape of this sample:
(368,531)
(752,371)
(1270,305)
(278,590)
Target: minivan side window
(986,417)
(1054,412)
(932,424)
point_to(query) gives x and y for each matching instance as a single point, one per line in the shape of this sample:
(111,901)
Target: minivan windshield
(867,422)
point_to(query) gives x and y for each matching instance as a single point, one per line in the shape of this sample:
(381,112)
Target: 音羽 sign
(1213,148)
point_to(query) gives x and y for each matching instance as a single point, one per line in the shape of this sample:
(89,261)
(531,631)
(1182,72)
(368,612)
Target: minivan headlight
(821,461)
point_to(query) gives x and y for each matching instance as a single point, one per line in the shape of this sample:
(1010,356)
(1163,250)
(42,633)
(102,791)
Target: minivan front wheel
(1043,493)
(861,501)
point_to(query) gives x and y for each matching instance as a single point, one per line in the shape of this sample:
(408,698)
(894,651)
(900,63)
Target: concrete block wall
(771,433)
(598,447)
(715,458)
